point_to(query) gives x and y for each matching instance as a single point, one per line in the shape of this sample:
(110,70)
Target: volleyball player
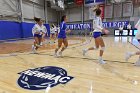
(121,30)
(129,28)
(53,33)
(62,39)
(130,54)
(39,31)
(98,29)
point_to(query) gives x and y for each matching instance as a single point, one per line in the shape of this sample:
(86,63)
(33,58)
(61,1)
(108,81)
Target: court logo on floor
(43,77)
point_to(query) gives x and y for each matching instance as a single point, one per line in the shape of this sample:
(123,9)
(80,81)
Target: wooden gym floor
(117,76)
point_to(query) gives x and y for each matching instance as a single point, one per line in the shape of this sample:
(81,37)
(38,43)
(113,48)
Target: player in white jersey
(121,30)
(53,33)
(39,31)
(130,54)
(129,28)
(98,29)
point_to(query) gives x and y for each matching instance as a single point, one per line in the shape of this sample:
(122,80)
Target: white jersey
(53,30)
(40,29)
(138,27)
(129,26)
(121,28)
(58,29)
(97,24)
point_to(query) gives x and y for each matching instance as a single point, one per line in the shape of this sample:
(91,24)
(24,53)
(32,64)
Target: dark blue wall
(9,30)
(14,30)
(26,29)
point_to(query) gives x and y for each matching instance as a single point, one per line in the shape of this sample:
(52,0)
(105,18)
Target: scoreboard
(125,32)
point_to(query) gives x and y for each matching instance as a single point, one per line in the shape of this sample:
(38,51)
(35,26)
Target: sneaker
(60,54)
(55,55)
(84,52)
(34,49)
(101,61)
(41,43)
(137,63)
(127,56)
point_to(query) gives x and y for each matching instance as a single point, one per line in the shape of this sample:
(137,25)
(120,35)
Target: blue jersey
(62,33)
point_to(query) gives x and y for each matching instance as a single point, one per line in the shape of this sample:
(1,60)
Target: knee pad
(103,48)
(95,48)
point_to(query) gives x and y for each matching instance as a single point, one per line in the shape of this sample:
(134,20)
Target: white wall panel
(108,11)
(74,14)
(28,11)
(52,15)
(86,13)
(39,11)
(8,7)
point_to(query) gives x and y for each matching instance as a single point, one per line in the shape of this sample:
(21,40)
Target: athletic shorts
(52,33)
(61,36)
(37,35)
(96,34)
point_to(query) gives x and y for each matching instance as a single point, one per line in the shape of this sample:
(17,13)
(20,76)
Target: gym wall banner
(94,1)
(102,7)
(99,1)
(80,26)
(88,26)
(115,24)
(79,2)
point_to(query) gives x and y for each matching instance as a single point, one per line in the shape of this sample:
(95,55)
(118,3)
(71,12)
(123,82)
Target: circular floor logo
(42,77)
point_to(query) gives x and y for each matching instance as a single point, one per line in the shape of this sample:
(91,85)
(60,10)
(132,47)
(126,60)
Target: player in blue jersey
(98,29)
(62,39)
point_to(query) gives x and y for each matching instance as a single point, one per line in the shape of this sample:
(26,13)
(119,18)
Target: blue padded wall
(26,29)
(9,30)
(14,30)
